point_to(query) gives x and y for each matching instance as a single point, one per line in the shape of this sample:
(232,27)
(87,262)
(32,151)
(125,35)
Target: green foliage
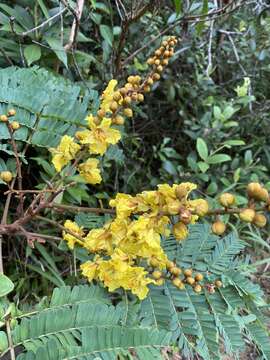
(80,322)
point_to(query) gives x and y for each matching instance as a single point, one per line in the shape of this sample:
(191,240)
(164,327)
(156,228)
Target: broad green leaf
(218,158)
(202,149)
(203,166)
(3,341)
(43,8)
(6,285)
(58,49)
(32,53)
(107,34)
(234,142)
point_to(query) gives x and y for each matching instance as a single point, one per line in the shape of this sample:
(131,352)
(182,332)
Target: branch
(76,23)
(81,209)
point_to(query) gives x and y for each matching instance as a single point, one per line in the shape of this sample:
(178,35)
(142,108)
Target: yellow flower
(180,231)
(72,240)
(99,240)
(89,270)
(119,272)
(90,172)
(100,136)
(107,96)
(65,151)
(125,205)
(148,200)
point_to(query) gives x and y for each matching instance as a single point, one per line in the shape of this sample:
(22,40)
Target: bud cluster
(250,214)
(5,118)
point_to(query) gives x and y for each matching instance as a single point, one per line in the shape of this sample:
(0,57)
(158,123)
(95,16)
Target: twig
(43,24)
(81,209)
(76,23)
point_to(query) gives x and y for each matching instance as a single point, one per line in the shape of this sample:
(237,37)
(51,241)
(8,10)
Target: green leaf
(178,6)
(234,142)
(3,342)
(202,149)
(107,34)
(58,49)
(6,285)
(32,53)
(218,158)
(203,166)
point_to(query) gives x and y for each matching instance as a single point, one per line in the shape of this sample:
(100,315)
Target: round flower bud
(134,96)
(156,76)
(218,283)
(169,264)
(166,53)
(159,282)
(101,113)
(154,262)
(123,91)
(177,282)
(188,272)
(157,274)
(150,81)
(113,106)
(147,89)
(130,79)
(15,125)
(140,97)
(126,100)
(253,189)
(137,79)
(117,96)
(128,112)
(160,68)
(190,280)
(201,207)
(6,176)
(197,288)
(119,120)
(164,43)
(150,61)
(175,271)
(181,191)
(157,62)
(158,52)
(218,227)
(165,62)
(128,86)
(247,215)
(259,220)
(4,118)
(227,199)
(11,112)
(199,277)
(180,231)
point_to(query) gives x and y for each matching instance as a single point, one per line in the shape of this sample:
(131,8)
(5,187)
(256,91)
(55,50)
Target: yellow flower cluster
(132,241)
(115,106)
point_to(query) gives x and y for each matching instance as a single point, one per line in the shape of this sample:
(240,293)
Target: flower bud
(157,62)
(201,207)
(128,112)
(175,271)
(188,272)
(218,284)
(154,262)
(150,61)
(119,120)
(11,112)
(160,68)
(197,288)
(190,280)
(156,76)
(227,199)
(157,274)
(15,125)
(181,191)
(160,282)
(247,215)
(185,217)
(6,176)
(177,282)
(218,227)
(140,97)
(117,96)
(114,106)
(253,189)
(4,118)
(180,231)
(259,220)
(147,89)
(166,53)
(199,277)
(101,113)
